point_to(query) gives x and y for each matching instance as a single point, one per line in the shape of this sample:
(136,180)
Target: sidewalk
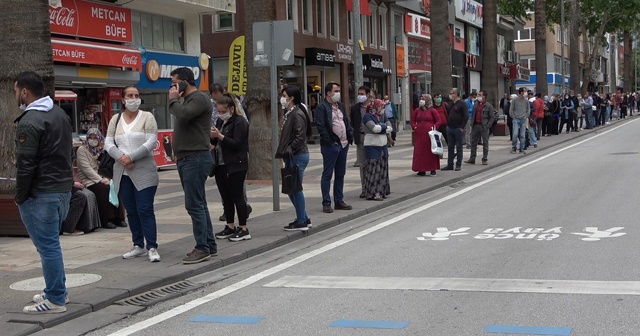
(99,253)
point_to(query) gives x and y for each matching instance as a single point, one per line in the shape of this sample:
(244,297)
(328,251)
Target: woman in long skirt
(375,142)
(423,119)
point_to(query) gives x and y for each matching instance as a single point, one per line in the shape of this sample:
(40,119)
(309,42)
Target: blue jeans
(42,216)
(608,115)
(142,217)
(297,199)
(193,171)
(455,137)
(334,159)
(519,131)
(532,136)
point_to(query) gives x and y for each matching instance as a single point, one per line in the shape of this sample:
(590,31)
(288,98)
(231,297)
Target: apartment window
(334,20)
(292,13)
(363,29)
(382,26)
(532,64)
(372,23)
(307,18)
(524,63)
(321,13)
(223,22)
(398,25)
(526,34)
(157,32)
(557,64)
(566,37)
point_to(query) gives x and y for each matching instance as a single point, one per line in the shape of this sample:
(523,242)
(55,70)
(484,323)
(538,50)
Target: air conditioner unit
(516,57)
(509,56)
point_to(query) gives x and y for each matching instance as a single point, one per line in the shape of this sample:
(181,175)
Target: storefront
(522,77)
(504,80)
(320,65)
(467,69)
(375,74)
(92,71)
(418,30)
(467,62)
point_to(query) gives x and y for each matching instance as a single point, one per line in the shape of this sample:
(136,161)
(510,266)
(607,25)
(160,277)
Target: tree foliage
(516,8)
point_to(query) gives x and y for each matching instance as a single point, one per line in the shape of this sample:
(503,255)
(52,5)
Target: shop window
(334,19)
(382,26)
(292,13)
(473,41)
(224,22)
(373,20)
(157,32)
(307,17)
(321,12)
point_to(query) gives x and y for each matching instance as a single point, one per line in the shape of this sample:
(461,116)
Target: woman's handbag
(105,161)
(436,141)
(214,164)
(291,182)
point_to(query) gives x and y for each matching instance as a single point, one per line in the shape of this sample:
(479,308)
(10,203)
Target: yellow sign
(204,61)
(401,67)
(237,67)
(361,45)
(153,70)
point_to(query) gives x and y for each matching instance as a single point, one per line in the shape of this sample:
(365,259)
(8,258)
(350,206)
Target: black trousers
(231,188)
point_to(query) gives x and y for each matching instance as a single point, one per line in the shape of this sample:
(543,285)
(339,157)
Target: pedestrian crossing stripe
(506,329)
(369,324)
(227,319)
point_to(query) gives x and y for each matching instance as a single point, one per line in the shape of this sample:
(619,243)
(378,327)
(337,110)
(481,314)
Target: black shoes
(343,206)
(240,235)
(326,208)
(447,168)
(422,173)
(226,233)
(109,225)
(296,227)
(121,223)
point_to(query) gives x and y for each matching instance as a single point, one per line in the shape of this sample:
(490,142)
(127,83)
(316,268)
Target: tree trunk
(258,97)
(628,63)
(26,45)
(542,85)
(440,48)
(490,52)
(574,50)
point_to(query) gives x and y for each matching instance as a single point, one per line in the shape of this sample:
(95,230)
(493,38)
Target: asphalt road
(545,245)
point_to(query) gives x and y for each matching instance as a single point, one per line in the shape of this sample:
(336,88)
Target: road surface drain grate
(624,153)
(160,294)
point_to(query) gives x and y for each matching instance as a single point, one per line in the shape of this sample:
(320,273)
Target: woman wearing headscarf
(130,141)
(375,143)
(292,149)
(230,138)
(87,157)
(423,119)
(566,113)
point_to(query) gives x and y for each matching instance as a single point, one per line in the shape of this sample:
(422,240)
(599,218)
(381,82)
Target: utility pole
(562,44)
(357,35)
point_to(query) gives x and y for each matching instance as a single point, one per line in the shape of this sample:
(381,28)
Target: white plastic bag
(113,197)
(436,142)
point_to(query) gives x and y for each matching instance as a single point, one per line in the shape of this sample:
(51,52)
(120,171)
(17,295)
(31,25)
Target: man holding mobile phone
(191,148)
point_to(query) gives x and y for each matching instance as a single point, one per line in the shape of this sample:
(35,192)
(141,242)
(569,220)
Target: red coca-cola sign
(90,19)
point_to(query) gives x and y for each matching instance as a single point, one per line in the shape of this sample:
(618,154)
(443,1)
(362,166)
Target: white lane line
(461,284)
(281,267)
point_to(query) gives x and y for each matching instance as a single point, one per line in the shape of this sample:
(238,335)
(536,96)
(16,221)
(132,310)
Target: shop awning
(364,6)
(66,95)
(73,51)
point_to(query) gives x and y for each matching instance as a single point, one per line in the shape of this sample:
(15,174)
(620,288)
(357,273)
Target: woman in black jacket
(292,149)
(230,137)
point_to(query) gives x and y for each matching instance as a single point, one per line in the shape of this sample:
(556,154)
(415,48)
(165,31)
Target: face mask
(225,116)
(551,99)
(566,97)
(336,97)
(22,107)
(284,102)
(450,97)
(480,99)
(474,99)
(362,99)
(93,143)
(438,101)
(421,103)
(132,104)
(381,112)
(526,95)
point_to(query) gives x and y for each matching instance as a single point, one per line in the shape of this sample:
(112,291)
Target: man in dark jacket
(482,120)
(457,119)
(355,118)
(43,184)
(335,136)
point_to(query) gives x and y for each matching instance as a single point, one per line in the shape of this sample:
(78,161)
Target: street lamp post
(562,44)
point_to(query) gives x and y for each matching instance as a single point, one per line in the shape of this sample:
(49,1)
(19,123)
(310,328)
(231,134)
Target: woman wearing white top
(131,141)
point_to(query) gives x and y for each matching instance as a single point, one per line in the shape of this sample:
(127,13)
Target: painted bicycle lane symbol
(540,234)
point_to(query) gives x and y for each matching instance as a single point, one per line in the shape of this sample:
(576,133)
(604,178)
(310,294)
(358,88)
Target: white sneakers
(44,307)
(153,255)
(136,251)
(42,297)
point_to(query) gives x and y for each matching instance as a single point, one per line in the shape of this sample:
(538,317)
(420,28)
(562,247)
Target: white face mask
(450,97)
(336,97)
(132,104)
(362,98)
(551,99)
(421,103)
(480,99)
(284,102)
(225,116)
(22,107)
(92,143)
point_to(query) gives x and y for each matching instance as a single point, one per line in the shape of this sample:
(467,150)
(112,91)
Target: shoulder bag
(105,161)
